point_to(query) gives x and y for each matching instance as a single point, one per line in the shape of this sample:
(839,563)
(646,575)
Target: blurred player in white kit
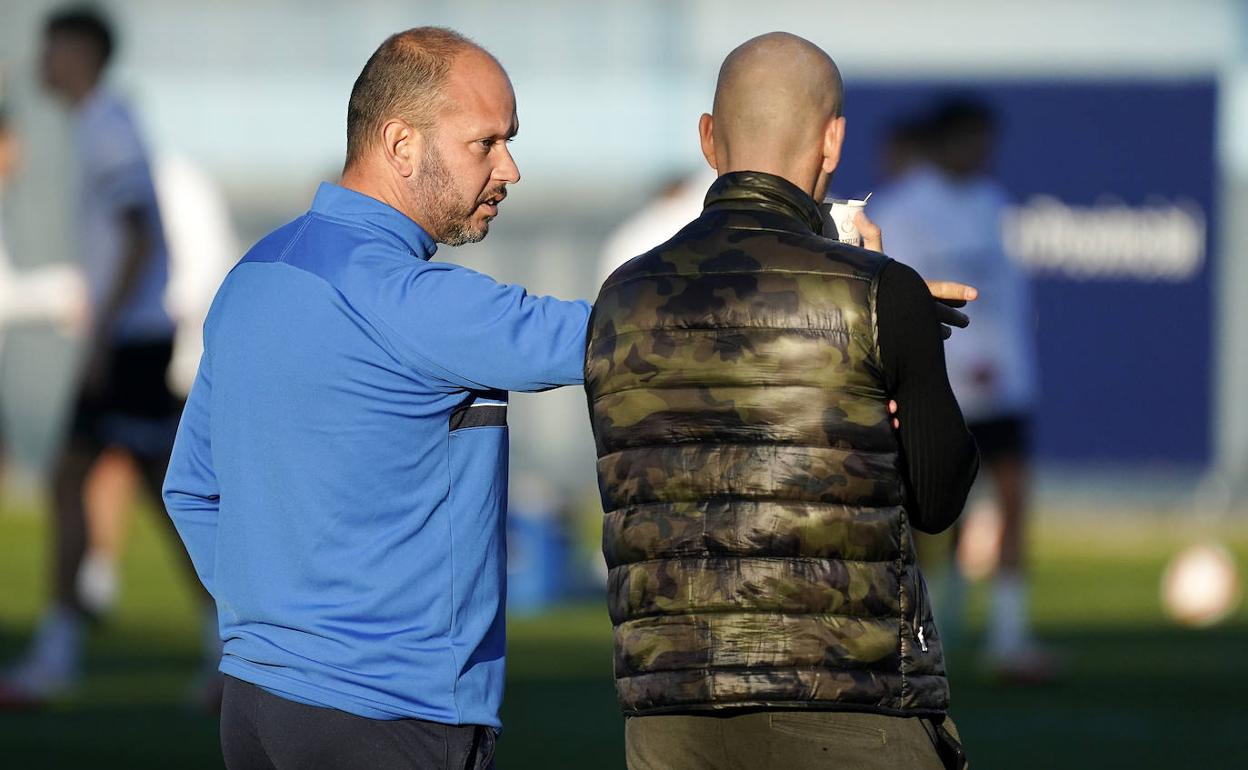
(153,249)
(202,244)
(942,215)
(202,247)
(44,294)
(678,202)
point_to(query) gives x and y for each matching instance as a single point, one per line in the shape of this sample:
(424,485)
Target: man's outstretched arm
(470,331)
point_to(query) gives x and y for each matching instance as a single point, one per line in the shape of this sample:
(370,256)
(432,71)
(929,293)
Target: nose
(507,171)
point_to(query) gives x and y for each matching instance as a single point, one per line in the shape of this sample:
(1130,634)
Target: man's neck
(81,93)
(800,179)
(366,182)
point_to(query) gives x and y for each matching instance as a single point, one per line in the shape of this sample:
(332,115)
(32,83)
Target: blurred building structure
(609,95)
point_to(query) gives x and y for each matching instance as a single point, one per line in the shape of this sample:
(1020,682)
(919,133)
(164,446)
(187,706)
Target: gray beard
(436,193)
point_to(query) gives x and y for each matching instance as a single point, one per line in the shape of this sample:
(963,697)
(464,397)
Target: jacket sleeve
(469,331)
(939,454)
(190,492)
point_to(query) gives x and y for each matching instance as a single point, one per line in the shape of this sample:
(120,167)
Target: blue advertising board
(1115,190)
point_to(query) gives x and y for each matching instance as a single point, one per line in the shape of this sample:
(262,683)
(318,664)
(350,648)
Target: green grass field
(1141,693)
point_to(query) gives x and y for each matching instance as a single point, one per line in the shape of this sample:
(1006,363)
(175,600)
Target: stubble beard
(451,225)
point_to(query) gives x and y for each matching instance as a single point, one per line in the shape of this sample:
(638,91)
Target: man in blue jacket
(340,472)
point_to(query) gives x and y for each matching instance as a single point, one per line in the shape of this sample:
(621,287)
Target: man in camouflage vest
(760,500)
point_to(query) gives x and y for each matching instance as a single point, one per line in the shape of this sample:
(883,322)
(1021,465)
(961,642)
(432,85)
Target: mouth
(490,204)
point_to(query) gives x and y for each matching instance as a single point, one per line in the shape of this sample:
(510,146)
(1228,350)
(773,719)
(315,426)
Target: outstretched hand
(949,295)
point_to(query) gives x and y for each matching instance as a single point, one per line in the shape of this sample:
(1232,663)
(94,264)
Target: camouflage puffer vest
(759,549)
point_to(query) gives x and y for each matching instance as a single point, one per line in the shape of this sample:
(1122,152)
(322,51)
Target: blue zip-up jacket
(340,472)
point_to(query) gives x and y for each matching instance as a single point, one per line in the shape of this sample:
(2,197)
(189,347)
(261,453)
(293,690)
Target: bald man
(340,472)
(760,500)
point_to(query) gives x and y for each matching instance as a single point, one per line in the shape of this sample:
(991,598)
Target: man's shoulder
(709,248)
(107,127)
(315,243)
(722,277)
(367,267)
(104,108)
(279,242)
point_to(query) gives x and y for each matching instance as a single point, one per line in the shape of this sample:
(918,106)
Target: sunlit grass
(1141,692)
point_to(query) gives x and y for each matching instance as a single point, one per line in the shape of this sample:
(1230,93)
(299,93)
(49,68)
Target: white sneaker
(97,584)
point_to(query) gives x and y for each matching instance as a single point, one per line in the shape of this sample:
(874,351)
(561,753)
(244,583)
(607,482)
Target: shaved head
(776,97)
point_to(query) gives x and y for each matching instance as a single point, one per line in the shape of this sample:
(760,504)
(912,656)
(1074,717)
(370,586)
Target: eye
(486,144)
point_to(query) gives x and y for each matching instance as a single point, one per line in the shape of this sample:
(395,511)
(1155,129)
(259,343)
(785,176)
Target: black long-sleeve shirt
(940,456)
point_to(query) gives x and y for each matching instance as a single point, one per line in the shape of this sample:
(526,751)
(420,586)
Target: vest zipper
(920,602)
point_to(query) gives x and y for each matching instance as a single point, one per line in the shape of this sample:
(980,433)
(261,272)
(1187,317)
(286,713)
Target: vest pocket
(921,630)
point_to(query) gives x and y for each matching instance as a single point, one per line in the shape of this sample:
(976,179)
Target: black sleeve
(940,458)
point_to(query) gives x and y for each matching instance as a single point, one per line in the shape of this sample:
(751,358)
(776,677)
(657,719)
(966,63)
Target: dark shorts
(1002,437)
(261,731)
(133,407)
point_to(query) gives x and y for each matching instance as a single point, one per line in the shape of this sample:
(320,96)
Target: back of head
(775,102)
(85,26)
(906,144)
(963,129)
(405,77)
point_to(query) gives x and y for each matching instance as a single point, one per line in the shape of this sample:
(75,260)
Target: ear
(833,138)
(706,134)
(403,146)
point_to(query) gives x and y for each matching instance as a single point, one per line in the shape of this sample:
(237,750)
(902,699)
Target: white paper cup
(839,220)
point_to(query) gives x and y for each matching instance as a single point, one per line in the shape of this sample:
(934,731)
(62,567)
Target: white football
(1201,585)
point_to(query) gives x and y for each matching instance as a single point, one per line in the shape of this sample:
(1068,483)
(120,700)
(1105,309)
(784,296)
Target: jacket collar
(338,202)
(754,190)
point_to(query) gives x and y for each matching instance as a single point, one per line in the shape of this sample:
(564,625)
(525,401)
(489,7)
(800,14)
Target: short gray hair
(404,77)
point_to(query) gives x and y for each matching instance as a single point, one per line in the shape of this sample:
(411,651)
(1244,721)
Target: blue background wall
(1126,366)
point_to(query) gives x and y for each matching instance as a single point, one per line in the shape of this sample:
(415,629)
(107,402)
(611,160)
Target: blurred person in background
(678,201)
(905,147)
(340,472)
(202,245)
(49,293)
(943,214)
(124,402)
(760,500)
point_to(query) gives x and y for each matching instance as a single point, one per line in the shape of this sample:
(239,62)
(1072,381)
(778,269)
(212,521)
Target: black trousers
(260,731)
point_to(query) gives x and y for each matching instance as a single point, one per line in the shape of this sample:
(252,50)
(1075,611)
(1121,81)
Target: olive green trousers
(783,740)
